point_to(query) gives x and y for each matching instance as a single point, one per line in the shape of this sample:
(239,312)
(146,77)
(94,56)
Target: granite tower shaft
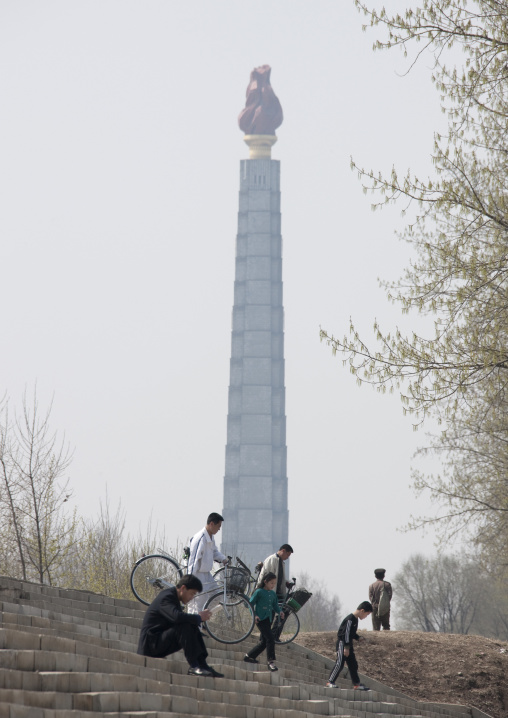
(255,481)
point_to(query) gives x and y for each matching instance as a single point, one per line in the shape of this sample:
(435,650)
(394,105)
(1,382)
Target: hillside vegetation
(435,667)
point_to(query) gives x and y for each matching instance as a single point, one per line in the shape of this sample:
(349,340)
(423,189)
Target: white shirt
(203,552)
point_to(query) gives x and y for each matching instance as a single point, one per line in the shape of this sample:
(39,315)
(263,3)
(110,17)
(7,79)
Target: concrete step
(180,683)
(72,632)
(9,710)
(73,653)
(66,626)
(200,701)
(87,612)
(344,691)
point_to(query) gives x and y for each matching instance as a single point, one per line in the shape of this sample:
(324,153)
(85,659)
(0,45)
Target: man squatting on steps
(203,552)
(345,652)
(166,628)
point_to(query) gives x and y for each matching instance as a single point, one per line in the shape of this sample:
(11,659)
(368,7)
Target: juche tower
(255,481)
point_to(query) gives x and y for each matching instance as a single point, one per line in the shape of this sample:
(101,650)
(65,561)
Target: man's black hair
(366,606)
(379,573)
(190,582)
(214,518)
(286,547)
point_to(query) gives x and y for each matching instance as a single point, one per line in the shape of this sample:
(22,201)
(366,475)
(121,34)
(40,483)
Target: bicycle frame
(225,603)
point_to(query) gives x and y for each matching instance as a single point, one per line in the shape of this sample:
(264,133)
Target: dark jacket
(164,612)
(347,632)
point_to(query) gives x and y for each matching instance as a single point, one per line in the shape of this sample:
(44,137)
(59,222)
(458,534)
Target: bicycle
(156,571)
(232,617)
(286,629)
(219,575)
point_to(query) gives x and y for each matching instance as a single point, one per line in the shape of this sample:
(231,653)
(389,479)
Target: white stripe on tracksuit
(339,664)
(193,556)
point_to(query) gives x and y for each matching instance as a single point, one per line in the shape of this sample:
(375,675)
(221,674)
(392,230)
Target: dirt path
(438,667)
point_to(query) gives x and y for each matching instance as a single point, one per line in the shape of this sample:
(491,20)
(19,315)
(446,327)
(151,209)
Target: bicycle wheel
(218,576)
(232,596)
(286,630)
(153,573)
(252,581)
(250,586)
(230,622)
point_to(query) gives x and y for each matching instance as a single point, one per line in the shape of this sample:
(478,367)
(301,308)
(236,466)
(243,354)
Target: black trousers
(186,636)
(351,664)
(267,641)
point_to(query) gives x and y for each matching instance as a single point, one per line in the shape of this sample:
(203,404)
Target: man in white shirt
(203,552)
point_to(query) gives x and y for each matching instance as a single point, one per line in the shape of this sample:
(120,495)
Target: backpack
(384,602)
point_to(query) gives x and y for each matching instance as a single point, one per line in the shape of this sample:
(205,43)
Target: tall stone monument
(255,481)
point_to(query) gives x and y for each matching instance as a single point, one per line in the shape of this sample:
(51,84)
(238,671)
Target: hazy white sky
(119,177)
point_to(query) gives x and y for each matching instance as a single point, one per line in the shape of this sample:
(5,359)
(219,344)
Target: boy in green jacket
(264,602)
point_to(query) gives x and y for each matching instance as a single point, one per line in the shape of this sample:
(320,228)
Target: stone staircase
(66,653)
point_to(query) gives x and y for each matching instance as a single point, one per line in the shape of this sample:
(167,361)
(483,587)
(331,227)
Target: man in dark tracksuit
(345,652)
(166,628)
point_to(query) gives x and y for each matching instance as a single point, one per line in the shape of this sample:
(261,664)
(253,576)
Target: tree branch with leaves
(458,275)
